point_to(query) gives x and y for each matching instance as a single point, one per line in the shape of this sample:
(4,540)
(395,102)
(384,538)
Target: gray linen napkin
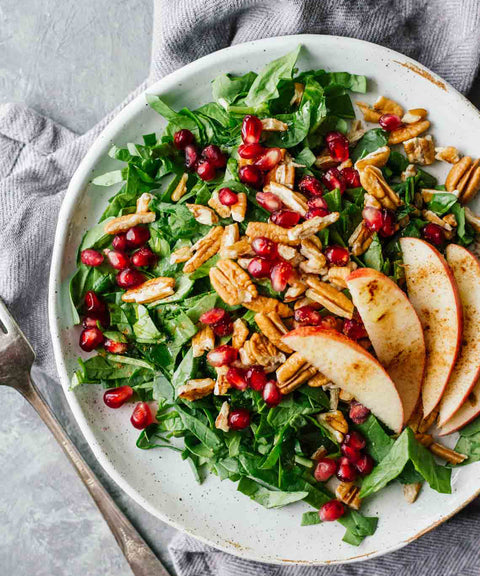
(38,158)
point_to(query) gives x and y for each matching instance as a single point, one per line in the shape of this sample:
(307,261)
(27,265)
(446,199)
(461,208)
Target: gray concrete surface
(73,61)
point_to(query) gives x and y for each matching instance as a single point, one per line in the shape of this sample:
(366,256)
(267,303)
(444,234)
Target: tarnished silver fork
(16,359)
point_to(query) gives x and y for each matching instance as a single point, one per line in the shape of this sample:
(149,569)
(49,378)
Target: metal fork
(16,359)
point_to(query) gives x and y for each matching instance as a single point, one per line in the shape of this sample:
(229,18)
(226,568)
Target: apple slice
(394,330)
(466,270)
(434,295)
(351,367)
(468,411)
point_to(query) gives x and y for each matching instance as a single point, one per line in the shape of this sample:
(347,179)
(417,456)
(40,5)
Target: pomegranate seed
(271,394)
(222,356)
(137,236)
(337,255)
(333,179)
(269,159)
(256,378)
(251,129)
(191,157)
(331,323)
(331,511)
(285,218)
(350,453)
(346,470)
(314,212)
(354,329)
(307,315)
(250,151)
(141,416)
(373,218)
(89,322)
(129,278)
(93,304)
(388,225)
(236,377)
(311,186)
(264,247)
(251,175)
(358,413)
(337,145)
(214,316)
(352,177)
(239,419)
(115,347)
(214,155)
(91,338)
(355,440)
(280,275)
(91,257)
(119,242)
(116,397)
(117,260)
(223,328)
(227,197)
(269,201)
(143,257)
(434,234)
(325,469)
(260,268)
(390,122)
(317,202)
(206,170)
(182,139)
(364,464)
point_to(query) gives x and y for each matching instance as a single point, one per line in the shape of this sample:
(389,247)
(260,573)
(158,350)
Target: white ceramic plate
(158,479)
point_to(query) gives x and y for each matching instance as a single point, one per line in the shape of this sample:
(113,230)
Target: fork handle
(138,554)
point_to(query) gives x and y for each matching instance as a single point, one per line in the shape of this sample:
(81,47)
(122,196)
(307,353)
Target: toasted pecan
(150,291)
(204,249)
(196,389)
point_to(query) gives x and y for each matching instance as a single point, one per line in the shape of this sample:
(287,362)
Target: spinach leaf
(228,88)
(306,157)
(373,257)
(442,203)
(310,518)
(109,178)
(379,442)
(177,120)
(144,328)
(162,388)
(185,370)
(268,498)
(469,442)
(201,431)
(370,141)
(358,527)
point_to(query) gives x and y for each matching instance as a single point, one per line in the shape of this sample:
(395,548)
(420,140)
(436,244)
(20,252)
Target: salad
(283,293)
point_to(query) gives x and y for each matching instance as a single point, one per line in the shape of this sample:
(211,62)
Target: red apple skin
(431,405)
(326,335)
(469,410)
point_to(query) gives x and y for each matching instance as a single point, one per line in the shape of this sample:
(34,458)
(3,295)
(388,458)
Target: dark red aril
(316,212)
(331,511)
(354,329)
(351,176)
(256,378)
(250,151)
(311,186)
(119,242)
(355,440)
(130,278)
(350,453)
(137,236)
(182,139)
(214,155)
(358,413)
(227,197)
(237,378)
(346,470)
(285,218)
(239,419)
(331,323)
(265,247)
(333,179)
(214,316)
(337,255)
(206,170)
(116,397)
(89,322)
(373,218)
(141,416)
(191,157)
(251,175)
(337,145)
(223,328)
(390,122)
(143,257)
(91,257)
(317,202)
(271,394)
(116,259)
(91,338)
(269,201)
(325,469)
(222,356)
(259,267)
(388,224)
(364,464)
(251,129)
(115,347)
(308,316)
(269,159)
(280,275)
(434,234)
(93,304)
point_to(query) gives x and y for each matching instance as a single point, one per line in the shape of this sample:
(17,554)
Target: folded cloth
(38,158)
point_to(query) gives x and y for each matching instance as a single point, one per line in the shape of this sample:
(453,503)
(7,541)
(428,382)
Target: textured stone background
(73,61)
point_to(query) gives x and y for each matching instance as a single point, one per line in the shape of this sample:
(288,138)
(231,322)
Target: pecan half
(196,389)
(231,235)
(446,454)
(464,176)
(222,210)
(378,158)
(240,248)
(123,223)
(356,131)
(348,493)
(375,184)
(408,131)
(204,249)
(203,341)
(385,105)
(240,333)
(294,200)
(325,161)
(282,174)
(335,423)
(472,219)
(143,202)
(263,352)
(369,114)
(448,154)
(273,125)
(181,255)
(432,217)
(294,372)
(180,188)
(273,328)
(316,262)
(415,115)
(294,291)
(317,381)
(298,93)
(239,209)
(265,304)
(150,291)
(270,231)
(409,172)
(420,150)
(222,385)
(221,421)
(411,491)
(319,453)
(312,226)
(361,239)
(329,297)
(203,214)
(231,283)
(338,275)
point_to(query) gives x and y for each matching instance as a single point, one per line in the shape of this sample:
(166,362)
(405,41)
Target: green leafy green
(370,141)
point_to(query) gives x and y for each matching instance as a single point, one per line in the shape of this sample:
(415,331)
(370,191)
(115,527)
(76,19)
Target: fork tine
(14,335)
(6,318)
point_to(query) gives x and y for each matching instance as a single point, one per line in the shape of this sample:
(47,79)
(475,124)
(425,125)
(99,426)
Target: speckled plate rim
(80,180)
